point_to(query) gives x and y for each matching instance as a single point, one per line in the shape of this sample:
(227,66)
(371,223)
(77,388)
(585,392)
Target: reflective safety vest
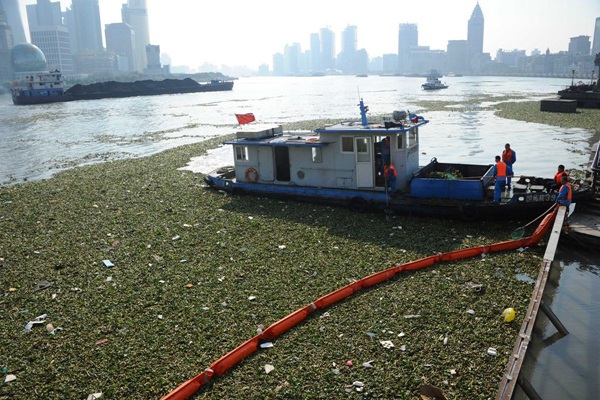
(500,169)
(390,171)
(508,157)
(569,193)
(558,177)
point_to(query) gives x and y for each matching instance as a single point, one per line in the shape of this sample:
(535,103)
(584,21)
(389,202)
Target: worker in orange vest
(565,193)
(389,172)
(500,171)
(556,183)
(509,156)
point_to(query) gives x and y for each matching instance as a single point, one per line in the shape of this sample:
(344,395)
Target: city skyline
(250,33)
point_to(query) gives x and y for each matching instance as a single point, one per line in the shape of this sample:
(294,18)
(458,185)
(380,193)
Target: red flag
(245,118)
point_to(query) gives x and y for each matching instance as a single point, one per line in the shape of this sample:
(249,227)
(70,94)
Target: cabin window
(241,153)
(400,139)
(347,144)
(317,154)
(412,138)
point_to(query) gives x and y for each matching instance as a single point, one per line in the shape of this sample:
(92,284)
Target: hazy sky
(245,32)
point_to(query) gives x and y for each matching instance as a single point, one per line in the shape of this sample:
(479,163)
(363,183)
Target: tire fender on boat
(251,175)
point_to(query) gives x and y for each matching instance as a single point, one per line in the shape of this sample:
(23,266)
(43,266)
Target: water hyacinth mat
(192,273)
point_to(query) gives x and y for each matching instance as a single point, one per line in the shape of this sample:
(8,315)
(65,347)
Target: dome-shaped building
(27,58)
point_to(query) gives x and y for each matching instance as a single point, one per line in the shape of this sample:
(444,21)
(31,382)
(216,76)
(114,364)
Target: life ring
(251,175)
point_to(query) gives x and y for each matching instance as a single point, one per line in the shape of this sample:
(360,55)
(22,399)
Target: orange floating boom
(246,349)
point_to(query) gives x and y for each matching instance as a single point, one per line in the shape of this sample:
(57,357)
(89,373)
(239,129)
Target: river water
(39,141)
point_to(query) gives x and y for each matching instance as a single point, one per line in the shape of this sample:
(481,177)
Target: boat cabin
(346,155)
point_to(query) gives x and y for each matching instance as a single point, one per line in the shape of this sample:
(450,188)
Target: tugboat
(40,88)
(433,83)
(343,164)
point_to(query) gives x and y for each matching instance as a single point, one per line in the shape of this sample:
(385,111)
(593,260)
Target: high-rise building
(315,52)
(347,59)
(153,56)
(456,56)
(49,34)
(596,42)
(327,49)
(408,39)
(120,39)
(6,43)
(44,13)
(579,45)
(291,54)
(88,30)
(475,39)
(135,13)
(13,19)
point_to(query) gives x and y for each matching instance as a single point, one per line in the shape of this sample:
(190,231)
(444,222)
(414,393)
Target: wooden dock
(512,374)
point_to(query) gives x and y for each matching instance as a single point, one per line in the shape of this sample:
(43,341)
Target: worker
(389,172)
(565,193)
(509,156)
(555,184)
(501,170)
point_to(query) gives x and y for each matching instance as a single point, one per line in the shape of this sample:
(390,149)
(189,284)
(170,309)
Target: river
(39,141)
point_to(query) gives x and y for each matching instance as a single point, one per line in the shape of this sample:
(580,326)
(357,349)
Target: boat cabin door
(364,163)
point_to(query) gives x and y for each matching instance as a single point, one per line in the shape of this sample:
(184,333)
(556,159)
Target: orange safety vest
(507,157)
(558,176)
(388,168)
(500,169)
(570,193)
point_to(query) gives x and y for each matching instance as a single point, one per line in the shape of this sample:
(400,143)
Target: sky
(248,33)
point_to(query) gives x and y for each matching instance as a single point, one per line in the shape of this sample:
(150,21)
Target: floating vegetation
(184,262)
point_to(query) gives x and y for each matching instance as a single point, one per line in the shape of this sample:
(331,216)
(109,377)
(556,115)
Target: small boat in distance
(40,88)
(343,164)
(433,83)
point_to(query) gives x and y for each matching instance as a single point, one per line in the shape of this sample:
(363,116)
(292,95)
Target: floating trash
(508,314)
(471,312)
(94,396)
(269,368)
(368,364)
(266,345)
(10,378)
(108,263)
(387,344)
(40,319)
(42,285)
(492,351)
(251,298)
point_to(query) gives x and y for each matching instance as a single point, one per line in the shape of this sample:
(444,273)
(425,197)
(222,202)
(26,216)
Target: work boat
(342,164)
(40,88)
(433,83)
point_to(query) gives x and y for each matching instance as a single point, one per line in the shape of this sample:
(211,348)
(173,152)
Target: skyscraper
(346,60)
(88,30)
(596,42)
(49,34)
(475,39)
(135,13)
(327,49)
(315,52)
(13,19)
(408,38)
(6,43)
(120,39)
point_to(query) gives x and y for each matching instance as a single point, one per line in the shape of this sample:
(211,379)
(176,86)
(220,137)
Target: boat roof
(356,127)
(290,138)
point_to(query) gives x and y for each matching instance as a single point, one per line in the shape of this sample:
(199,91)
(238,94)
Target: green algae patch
(193,272)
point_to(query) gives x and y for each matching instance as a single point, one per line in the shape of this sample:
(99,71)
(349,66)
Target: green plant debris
(186,260)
